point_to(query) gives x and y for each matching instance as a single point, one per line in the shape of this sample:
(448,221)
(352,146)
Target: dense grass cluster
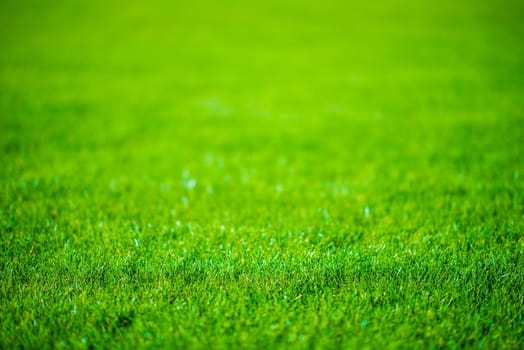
(261,174)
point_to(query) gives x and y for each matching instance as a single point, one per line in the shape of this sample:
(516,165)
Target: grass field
(261,174)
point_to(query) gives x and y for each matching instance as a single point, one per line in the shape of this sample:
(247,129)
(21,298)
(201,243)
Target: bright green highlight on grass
(240,174)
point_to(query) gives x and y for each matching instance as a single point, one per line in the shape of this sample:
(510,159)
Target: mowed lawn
(261,174)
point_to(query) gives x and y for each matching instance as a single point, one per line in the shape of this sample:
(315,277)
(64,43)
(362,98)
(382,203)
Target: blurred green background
(274,129)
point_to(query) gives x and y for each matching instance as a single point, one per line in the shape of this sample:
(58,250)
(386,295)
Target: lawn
(261,174)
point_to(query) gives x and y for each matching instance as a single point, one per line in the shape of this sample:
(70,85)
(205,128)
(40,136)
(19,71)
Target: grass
(291,174)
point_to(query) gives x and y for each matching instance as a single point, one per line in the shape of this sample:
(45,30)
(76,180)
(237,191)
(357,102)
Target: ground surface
(296,174)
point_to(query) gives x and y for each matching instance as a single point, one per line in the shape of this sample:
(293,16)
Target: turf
(261,174)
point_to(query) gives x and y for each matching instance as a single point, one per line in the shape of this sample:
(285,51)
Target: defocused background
(381,98)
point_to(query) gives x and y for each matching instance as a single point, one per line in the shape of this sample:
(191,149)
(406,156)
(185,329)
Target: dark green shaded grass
(306,175)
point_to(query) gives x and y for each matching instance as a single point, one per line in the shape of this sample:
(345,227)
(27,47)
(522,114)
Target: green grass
(261,174)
